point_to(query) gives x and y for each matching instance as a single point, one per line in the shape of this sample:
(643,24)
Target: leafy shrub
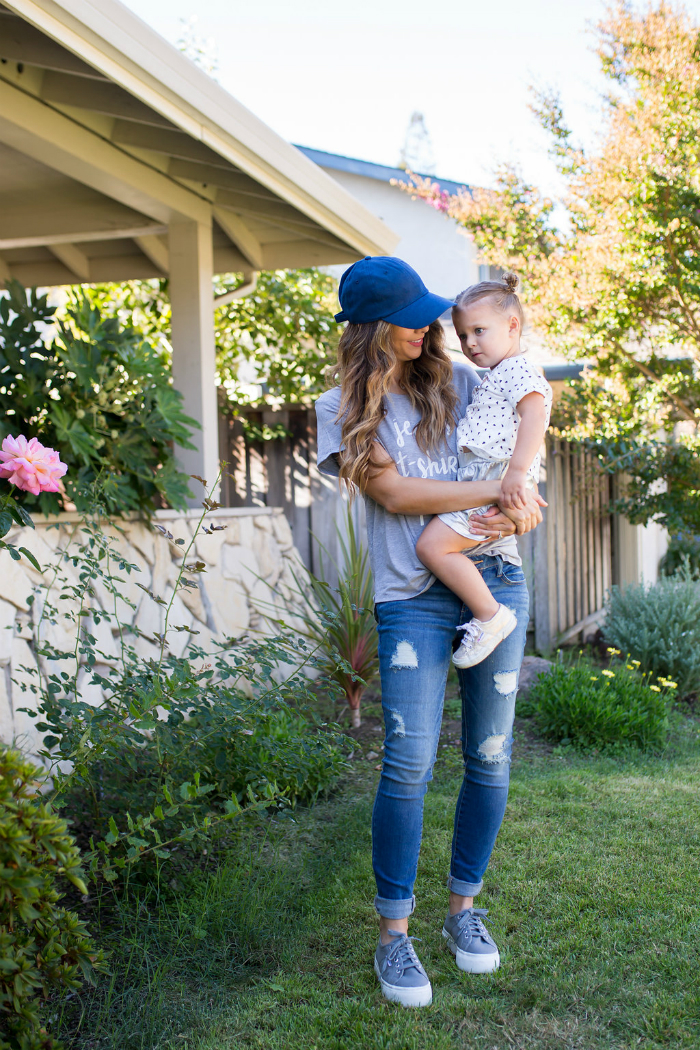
(659,625)
(43,946)
(201,736)
(683,551)
(581,705)
(272,345)
(100,394)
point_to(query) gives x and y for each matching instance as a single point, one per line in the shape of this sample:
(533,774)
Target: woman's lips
(415,342)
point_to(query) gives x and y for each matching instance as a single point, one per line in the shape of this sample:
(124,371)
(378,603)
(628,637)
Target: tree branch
(684,410)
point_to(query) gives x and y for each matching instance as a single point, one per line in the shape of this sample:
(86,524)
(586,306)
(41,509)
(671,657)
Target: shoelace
(472,634)
(402,954)
(472,922)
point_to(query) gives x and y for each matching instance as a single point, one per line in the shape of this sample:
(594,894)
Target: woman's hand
(493,525)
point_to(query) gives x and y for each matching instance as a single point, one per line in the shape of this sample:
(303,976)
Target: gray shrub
(659,625)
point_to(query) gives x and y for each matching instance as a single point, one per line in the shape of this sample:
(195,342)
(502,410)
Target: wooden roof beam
(154,249)
(67,89)
(239,234)
(171,141)
(21,42)
(80,236)
(73,259)
(30,126)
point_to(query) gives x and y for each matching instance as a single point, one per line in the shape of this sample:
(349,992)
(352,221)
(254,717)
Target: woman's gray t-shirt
(398,573)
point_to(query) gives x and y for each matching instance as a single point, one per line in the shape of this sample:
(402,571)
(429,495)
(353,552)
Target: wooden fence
(569,561)
(282,472)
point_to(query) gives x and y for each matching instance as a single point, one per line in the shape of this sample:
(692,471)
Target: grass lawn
(592,894)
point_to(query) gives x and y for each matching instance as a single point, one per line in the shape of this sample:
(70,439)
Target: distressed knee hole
(405,656)
(493,748)
(399,726)
(506,682)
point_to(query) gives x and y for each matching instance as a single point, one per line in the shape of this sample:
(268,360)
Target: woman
(388,428)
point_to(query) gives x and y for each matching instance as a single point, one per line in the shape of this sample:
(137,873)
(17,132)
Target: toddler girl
(499,437)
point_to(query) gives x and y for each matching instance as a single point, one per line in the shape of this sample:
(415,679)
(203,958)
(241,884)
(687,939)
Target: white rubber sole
(472,963)
(487,650)
(405,996)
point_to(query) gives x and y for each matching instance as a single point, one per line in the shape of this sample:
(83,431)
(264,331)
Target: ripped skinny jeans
(415,647)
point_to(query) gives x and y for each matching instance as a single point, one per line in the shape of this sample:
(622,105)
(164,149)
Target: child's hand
(514,489)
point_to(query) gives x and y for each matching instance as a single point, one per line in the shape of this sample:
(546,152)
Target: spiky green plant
(346,626)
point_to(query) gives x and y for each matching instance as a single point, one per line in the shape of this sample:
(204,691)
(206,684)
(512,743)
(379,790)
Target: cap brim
(420,313)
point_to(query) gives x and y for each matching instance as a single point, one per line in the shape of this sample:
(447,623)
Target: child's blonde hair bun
(501,293)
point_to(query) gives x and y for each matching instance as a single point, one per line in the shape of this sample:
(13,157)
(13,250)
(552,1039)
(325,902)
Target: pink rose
(30,466)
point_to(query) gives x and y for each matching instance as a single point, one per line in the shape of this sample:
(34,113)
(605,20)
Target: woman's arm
(400,495)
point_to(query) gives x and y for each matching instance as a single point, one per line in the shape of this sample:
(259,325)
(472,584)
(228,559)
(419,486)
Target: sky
(345,77)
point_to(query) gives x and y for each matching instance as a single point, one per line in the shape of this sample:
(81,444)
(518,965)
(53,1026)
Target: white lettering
(401,464)
(401,430)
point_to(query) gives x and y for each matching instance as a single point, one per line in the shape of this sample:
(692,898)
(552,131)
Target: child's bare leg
(440,550)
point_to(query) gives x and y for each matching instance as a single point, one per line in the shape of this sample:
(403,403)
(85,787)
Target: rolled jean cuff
(463,889)
(394,909)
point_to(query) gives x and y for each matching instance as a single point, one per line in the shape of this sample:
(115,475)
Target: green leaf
(30,557)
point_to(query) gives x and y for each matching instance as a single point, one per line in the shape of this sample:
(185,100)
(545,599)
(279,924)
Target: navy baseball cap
(383,288)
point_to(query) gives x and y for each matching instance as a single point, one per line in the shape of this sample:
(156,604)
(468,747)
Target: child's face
(486,335)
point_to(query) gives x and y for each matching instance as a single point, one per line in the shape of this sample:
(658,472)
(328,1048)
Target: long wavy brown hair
(365,369)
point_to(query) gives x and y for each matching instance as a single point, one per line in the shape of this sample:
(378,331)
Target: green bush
(100,394)
(306,762)
(43,947)
(608,710)
(201,736)
(683,551)
(659,625)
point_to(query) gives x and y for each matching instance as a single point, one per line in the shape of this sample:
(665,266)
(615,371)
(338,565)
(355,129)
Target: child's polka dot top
(490,426)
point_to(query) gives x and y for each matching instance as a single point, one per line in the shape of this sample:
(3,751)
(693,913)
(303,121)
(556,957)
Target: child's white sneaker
(480,639)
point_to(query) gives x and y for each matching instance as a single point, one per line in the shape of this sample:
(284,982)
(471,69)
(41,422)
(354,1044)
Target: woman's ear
(513,325)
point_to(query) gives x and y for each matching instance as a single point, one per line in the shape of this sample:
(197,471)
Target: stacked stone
(253,574)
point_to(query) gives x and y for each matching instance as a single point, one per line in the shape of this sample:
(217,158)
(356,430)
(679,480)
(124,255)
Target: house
(428,240)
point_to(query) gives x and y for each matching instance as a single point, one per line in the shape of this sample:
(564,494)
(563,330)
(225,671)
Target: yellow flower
(608,674)
(594,677)
(635,662)
(672,685)
(655,688)
(629,667)
(615,652)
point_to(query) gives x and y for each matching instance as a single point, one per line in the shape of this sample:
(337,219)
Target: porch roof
(109,135)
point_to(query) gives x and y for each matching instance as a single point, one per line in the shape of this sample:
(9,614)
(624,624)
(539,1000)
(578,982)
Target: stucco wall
(235,597)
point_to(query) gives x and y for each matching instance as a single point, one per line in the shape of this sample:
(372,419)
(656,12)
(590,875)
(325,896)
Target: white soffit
(129,90)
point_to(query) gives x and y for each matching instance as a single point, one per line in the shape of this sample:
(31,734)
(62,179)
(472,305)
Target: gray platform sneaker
(400,972)
(470,942)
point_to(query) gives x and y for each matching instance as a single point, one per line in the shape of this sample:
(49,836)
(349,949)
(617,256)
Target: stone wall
(251,574)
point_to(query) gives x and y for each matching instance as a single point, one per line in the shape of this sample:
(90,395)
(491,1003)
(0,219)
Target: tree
(618,283)
(272,346)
